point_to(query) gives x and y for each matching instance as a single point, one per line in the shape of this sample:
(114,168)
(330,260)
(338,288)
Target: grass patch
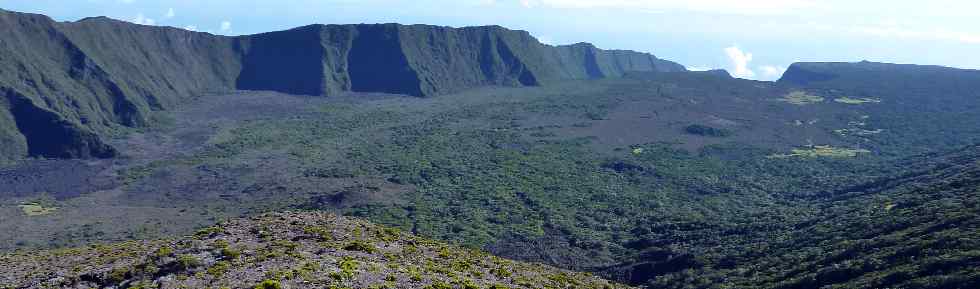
(822,151)
(863,100)
(857,132)
(36,209)
(801,98)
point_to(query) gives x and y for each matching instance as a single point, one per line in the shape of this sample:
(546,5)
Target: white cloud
(529,3)
(225,26)
(955,36)
(651,11)
(698,68)
(170,13)
(891,28)
(140,19)
(752,7)
(975,39)
(886,31)
(771,71)
(190,28)
(895,31)
(740,62)
(820,26)
(546,40)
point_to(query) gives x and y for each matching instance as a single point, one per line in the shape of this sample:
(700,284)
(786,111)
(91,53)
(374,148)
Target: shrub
(360,246)
(229,253)
(119,274)
(469,284)
(220,244)
(163,252)
(501,272)
(702,130)
(269,284)
(219,269)
(439,285)
(208,232)
(187,262)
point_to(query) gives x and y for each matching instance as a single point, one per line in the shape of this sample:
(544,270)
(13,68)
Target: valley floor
(681,182)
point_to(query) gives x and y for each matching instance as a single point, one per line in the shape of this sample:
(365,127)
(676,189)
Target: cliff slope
(926,86)
(65,85)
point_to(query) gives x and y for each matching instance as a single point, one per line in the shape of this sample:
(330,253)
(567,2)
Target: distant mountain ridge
(837,74)
(422,60)
(935,89)
(66,84)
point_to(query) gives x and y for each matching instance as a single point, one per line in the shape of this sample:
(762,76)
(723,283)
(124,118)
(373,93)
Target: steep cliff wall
(421,60)
(926,87)
(86,79)
(65,83)
(290,61)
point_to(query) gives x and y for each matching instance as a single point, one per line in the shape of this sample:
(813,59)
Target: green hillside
(285,250)
(919,229)
(840,175)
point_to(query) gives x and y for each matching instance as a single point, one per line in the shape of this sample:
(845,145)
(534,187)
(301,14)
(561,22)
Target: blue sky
(753,39)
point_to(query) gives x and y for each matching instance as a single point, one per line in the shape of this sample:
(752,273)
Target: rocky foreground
(283,250)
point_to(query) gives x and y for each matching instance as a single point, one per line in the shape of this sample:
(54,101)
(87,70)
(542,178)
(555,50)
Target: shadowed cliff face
(377,62)
(420,60)
(48,134)
(97,74)
(284,62)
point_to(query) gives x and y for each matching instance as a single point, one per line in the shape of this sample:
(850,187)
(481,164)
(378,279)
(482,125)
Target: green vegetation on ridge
(598,175)
(284,250)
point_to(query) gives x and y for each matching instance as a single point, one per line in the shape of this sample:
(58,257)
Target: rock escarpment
(420,60)
(928,88)
(65,84)
(867,75)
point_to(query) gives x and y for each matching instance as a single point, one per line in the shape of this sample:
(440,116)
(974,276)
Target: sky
(754,39)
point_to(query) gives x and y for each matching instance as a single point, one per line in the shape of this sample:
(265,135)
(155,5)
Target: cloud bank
(740,62)
(140,19)
(772,71)
(750,7)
